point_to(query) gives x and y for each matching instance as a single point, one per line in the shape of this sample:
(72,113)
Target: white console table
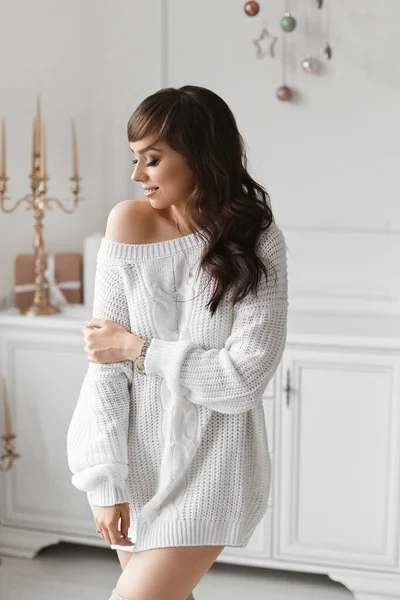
(333,420)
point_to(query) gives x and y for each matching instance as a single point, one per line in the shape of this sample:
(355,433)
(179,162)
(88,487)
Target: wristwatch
(139,362)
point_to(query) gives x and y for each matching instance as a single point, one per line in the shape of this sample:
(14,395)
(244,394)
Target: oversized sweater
(185,443)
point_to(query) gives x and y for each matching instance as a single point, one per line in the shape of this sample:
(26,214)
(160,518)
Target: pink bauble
(284,93)
(310,65)
(251,9)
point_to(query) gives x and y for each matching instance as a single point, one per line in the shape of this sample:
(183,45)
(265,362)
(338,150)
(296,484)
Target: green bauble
(288,23)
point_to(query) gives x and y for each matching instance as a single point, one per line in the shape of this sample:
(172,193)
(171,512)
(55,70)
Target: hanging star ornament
(262,41)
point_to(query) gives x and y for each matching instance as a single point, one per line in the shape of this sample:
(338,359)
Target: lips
(149,191)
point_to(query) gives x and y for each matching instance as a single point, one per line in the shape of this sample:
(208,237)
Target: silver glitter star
(270,45)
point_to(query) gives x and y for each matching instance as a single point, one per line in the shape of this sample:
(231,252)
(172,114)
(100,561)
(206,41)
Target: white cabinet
(333,422)
(338,490)
(43,363)
(43,374)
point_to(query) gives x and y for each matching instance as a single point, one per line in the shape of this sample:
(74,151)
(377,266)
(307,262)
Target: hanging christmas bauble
(284,93)
(327,51)
(288,23)
(310,65)
(251,9)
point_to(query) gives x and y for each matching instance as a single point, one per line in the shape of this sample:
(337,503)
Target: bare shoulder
(130,222)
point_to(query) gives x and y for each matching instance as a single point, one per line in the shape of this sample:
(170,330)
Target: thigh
(123,557)
(165,573)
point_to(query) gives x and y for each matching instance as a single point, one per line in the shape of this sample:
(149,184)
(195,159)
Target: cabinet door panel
(338,456)
(259,546)
(269,406)
(44,375)
(258,550)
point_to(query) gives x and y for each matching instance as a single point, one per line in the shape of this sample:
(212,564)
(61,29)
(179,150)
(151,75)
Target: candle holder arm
(47,201)
(27,198)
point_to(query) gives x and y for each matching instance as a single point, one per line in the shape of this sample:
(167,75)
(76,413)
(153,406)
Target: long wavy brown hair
(226,202)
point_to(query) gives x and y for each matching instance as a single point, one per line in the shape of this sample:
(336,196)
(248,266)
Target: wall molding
(320,302)
(341,225)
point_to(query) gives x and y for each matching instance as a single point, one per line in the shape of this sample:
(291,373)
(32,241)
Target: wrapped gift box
(63,273)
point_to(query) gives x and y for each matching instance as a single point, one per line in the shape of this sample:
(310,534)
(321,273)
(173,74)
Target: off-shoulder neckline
(121,250)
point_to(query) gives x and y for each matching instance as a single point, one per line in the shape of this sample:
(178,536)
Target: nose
(138,174)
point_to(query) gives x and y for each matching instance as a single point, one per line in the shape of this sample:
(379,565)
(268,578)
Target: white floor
(75,572)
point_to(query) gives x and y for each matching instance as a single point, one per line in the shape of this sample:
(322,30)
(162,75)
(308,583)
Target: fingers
(125,521)
(111,534)
(95,322)
(103,531)
(88,347)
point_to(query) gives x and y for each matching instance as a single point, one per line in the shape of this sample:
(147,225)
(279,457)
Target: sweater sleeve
(233,379)
(97,434)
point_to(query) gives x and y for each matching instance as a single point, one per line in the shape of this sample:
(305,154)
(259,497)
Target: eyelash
(150,164)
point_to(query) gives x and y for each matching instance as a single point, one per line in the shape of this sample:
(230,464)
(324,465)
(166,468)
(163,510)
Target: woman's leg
(115,596)
(123,557)
(164,573)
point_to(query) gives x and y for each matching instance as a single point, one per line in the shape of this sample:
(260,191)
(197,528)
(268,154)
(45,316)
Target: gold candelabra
(38,202)
(7,460)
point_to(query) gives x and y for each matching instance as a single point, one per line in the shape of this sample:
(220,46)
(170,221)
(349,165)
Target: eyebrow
(143,150)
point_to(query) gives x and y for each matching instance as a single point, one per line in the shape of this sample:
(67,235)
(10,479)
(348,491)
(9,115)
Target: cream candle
(7,419)
(75,173)
(3,149)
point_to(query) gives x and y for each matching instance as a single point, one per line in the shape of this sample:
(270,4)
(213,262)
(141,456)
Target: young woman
(168,437)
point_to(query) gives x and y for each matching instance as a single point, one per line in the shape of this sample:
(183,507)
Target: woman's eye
(150,164)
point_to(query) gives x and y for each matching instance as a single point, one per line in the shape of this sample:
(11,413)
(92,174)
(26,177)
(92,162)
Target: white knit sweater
(184,444)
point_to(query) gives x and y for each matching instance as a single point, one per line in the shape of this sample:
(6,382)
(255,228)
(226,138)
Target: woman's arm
(97,435)
(106,342)
(233,379)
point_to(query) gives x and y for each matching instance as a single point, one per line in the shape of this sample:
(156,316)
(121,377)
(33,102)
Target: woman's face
(161,167)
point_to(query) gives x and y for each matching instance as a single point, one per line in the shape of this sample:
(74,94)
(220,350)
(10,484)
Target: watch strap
(139,362)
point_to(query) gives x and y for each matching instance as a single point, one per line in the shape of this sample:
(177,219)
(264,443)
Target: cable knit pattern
(185,444)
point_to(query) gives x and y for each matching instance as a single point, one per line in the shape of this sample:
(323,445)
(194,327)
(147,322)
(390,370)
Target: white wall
(92,61)
(329,160)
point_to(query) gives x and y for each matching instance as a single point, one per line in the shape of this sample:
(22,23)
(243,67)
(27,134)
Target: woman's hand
(106,519)
(107,342)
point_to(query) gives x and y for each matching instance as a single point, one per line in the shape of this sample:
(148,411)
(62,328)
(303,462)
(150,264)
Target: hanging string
(328,49)
(308,29)
(284,47)
(284,58)
(288,23)
(328,26)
